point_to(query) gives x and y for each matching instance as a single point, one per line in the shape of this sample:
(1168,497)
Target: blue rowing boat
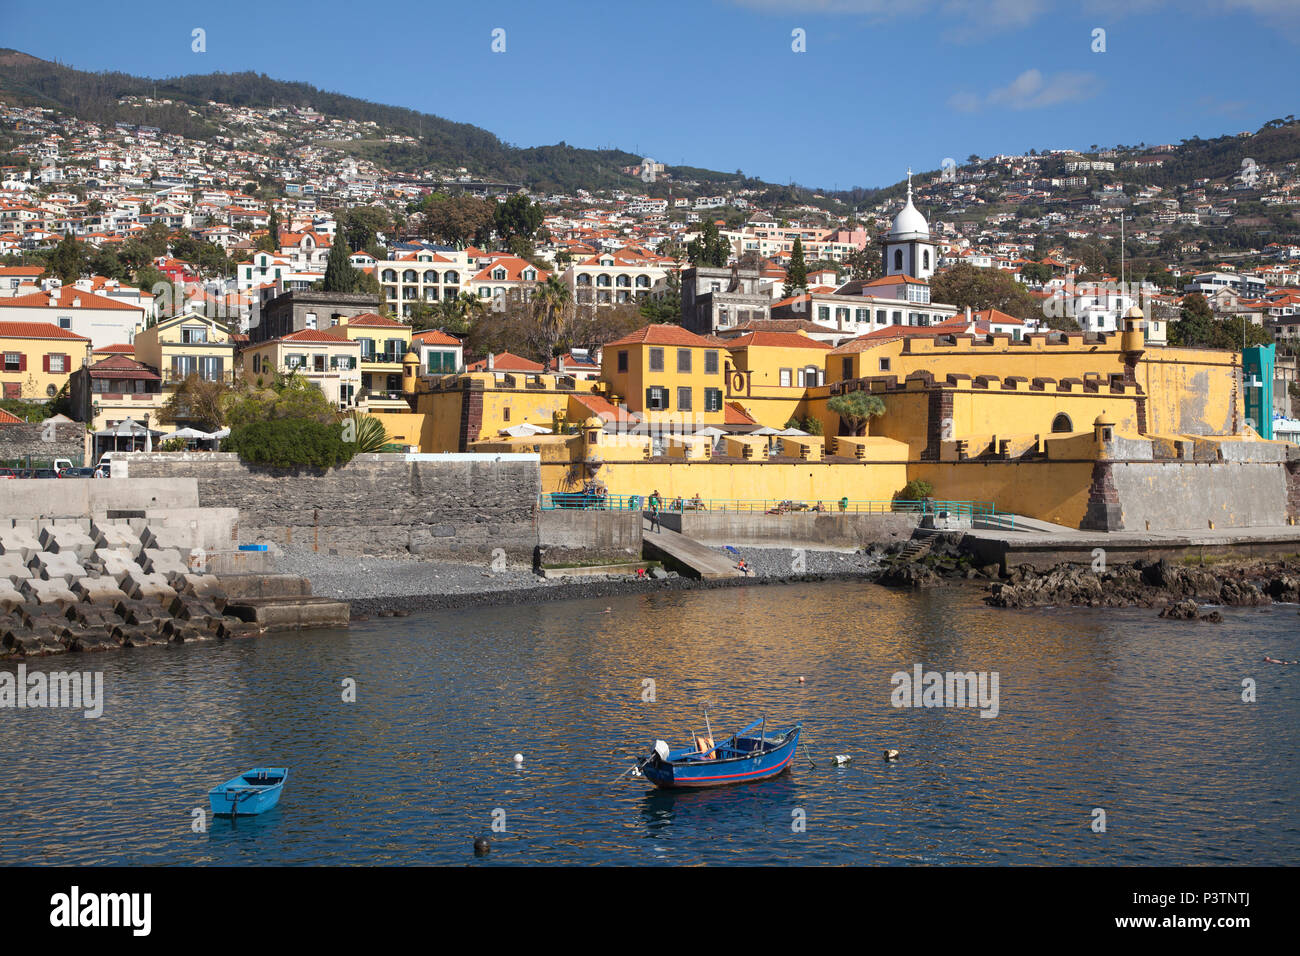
(742,758)
(250,793)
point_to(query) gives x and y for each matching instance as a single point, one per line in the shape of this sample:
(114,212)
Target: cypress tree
(796,277)
(339,274)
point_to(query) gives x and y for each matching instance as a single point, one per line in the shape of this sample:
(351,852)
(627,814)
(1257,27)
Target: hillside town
(137,260)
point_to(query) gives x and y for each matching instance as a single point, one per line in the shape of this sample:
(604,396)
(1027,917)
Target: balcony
(172,377)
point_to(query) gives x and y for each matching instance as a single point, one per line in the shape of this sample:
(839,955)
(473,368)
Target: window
(711,363)
(656,360)
(65,322)
(713,399)
(684,399)
(925,259)
(505,414)
(785,378)
(14,362)
(863,315)
(656,398)
(846,368)
(898,259)
(812,376)
(257,363)
(193,335)
(295,361)
(884,365)
(442,362)
(823,313)
(684,361)
(898,318)
(311,320)
(622,360)
(1061,423)
(367,350)
(841,316)
(56,363)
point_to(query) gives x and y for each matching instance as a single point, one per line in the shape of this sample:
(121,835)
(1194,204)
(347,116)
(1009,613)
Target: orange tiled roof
(436,337)
(663,335)
(507,362)
(38,330)
(372,320)
(65,296)
(779,340)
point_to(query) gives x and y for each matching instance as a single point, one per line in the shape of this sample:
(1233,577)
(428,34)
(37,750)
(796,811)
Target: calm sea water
(1116,710)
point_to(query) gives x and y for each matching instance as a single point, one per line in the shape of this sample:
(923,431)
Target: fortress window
(1062,423)
(884,365)
(622,360)
(898,258)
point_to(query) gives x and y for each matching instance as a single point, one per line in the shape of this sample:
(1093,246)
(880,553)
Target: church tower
(908,248)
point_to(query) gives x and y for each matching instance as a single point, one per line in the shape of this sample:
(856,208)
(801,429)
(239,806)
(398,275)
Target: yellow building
(666,374)
(770,374)
(38,357)
(384,343)
(185,345)
(330,363)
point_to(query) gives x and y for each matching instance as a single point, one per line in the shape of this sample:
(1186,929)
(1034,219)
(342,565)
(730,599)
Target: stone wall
(44,442)
(589,537)
(829,531)
(437,506)
(1179,496)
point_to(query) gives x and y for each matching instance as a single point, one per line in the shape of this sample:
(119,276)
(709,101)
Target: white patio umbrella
(189,434)
(765,430)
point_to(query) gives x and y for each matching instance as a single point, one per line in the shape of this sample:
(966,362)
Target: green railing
(579,501)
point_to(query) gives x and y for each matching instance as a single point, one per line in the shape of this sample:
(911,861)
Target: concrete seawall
(590,537)
(461,507)
(813,531)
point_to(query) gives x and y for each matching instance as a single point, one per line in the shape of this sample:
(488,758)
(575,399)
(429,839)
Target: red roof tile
(38,330)
(663,335)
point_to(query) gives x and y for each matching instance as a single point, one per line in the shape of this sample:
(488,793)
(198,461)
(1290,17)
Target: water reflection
(1117,710)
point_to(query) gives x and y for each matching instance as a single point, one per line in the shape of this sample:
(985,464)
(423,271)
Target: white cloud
(1031,90)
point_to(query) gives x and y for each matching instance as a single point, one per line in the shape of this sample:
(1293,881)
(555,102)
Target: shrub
(915,490)
(291,443)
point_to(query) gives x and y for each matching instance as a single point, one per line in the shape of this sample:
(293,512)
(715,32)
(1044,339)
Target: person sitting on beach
(743,568)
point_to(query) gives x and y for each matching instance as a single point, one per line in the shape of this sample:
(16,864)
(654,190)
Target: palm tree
(551,299)
(458,314)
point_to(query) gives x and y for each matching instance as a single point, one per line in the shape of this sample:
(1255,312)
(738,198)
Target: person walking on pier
(654,511)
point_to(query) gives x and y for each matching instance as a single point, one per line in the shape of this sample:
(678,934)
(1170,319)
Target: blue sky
(716,83)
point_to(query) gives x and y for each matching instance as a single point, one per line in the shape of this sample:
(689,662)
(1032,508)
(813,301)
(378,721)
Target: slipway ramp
(694,558)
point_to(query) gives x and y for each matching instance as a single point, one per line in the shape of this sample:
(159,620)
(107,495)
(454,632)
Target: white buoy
(891,754)
(519,758)
(801,680)
(840,759)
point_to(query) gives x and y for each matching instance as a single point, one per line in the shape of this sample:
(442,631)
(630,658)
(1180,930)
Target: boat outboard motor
(661,749)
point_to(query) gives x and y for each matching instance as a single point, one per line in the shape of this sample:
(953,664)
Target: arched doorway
(1062,423)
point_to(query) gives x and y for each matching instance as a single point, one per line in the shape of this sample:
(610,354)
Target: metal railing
(578,500)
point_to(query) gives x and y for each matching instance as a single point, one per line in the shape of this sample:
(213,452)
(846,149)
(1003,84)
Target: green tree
(551,300)
(856,409)
(709,248)
(291,443)
(340,276)
(458,220)
(966,285)
(1195,325)
(796,276)
(517,218)
(68,260)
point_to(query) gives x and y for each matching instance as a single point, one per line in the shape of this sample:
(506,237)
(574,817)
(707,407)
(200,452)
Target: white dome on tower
(909,223)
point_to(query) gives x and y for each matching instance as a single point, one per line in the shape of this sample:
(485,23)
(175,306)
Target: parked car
(77,473)
(7,473)
(44,473)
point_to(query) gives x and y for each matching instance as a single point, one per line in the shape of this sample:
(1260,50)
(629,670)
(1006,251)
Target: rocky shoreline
(1180,590)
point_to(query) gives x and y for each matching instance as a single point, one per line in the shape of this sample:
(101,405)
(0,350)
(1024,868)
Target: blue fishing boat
(742,758)
(250,793)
